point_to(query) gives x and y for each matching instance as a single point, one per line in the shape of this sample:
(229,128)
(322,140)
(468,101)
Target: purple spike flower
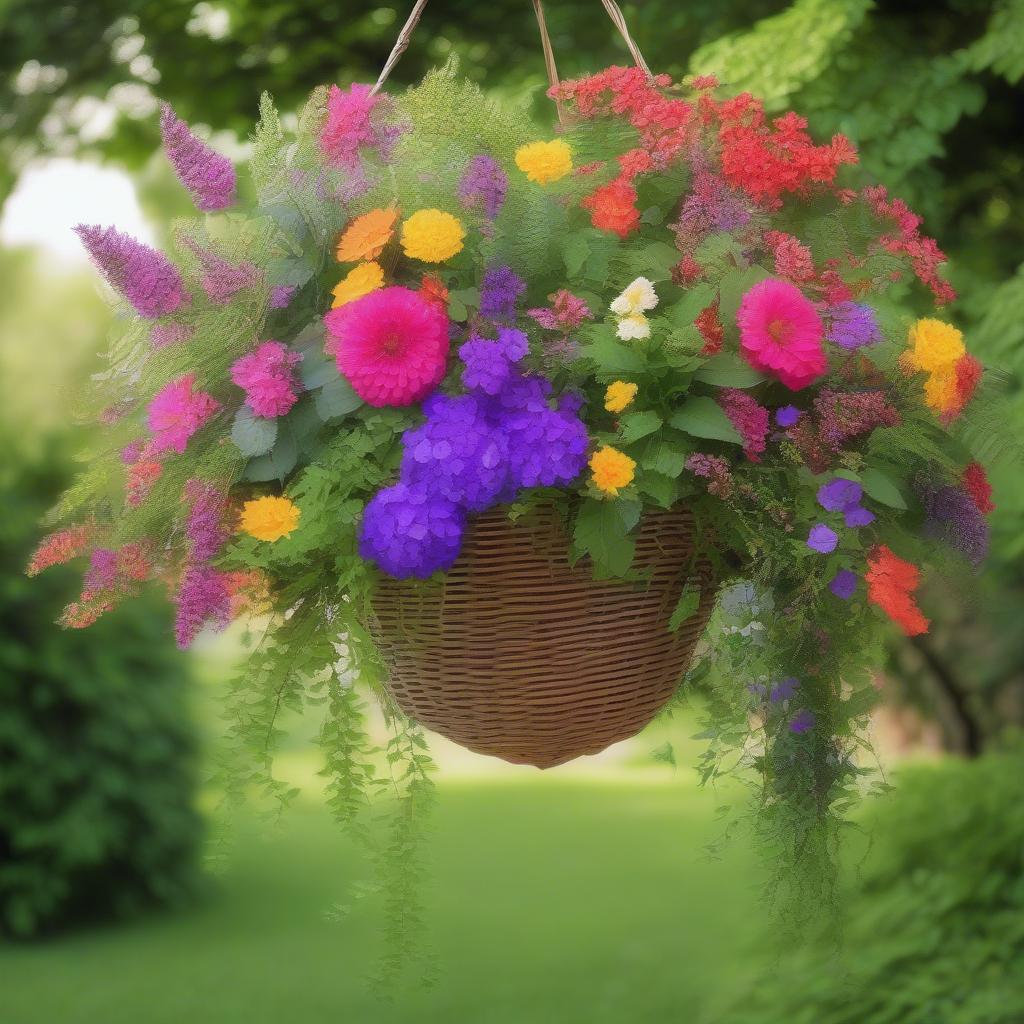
(223,280)
(145,277)
(484,183)
(203,598)
(208,176)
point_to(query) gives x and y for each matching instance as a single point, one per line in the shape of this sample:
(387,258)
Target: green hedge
(936,927)
(97,750)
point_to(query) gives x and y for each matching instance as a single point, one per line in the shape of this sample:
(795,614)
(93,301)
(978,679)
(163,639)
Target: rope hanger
(611,7)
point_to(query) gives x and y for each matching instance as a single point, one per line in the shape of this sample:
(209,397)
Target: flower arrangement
(422,308)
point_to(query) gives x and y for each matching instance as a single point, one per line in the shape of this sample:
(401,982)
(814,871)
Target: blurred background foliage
(601,869)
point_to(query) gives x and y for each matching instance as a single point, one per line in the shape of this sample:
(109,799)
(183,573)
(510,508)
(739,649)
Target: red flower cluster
(891,585)
(793,259)
(767,160)
(839,417)
(60,548)
(613,207)
(924,253)
(750,419)
(711,329)
(976,484)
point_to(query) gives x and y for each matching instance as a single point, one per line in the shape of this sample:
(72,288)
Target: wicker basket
(523,657)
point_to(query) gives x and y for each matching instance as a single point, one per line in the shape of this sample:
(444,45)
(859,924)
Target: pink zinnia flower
(781,332)
(391,345)
(268,376)
(177,412)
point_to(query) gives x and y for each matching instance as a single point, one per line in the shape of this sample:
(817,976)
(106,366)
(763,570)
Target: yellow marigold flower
(359,281)
(619,395)
(366,236)
(269,518)
(611,469)
(934,345)
(544,162)
(432,236)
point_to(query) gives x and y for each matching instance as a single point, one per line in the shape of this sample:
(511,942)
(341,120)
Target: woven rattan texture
(521,656)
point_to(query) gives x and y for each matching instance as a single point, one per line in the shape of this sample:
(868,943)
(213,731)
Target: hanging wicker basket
(521,656)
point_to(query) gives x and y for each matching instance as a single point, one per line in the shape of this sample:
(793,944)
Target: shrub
(97,780)
(936,928)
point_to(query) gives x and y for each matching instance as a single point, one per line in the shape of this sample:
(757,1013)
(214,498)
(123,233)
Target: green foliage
(97,749)
(935,931)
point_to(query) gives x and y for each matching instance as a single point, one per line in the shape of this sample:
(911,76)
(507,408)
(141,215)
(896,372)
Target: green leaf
(665,754)
(882,488)
(600,532)
(728,371)
(703,417)
(689,307)
(635,425)
(611,357)
(575,252)
(460,302)
(253,435)
(277,463)
(336,398)
(659,258)
(317,369)
(663,489)
(662,456)
(733,287)
(629,509)
(689,602)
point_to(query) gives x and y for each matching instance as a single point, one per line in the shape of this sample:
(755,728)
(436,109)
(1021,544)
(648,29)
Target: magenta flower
(177,412)
(202,599)
(781,332)
(268,377)
(208,176)
(565,314)
(145,277)
(749,418)
(353,122)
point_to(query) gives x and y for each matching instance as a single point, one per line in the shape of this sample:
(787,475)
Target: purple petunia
(802,721)
(787,416)
(857,516)
(839,494)
(783,690)
(852,325)
(408,531)
(844,584)
(822,539)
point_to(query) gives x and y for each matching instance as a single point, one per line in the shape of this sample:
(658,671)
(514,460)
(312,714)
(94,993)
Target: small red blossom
(975,483)
(613,208)
(891,585)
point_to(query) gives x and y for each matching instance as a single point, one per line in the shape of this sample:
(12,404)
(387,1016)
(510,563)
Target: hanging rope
(614,12)
(401,44)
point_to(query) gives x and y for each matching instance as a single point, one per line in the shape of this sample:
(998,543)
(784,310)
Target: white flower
(634,327)
(637,298)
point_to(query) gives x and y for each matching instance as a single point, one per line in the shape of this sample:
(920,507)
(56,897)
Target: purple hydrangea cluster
(485,184)
(145,277)
(208,176)
(471,452)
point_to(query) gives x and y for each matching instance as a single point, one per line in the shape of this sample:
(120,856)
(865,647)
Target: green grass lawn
(554,899)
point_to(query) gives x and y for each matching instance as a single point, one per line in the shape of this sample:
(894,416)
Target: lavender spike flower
(208,176)
(221,280)
(145,277)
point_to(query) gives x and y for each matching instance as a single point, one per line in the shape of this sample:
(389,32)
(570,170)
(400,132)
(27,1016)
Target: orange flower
(433,290)
(366,236)
(891,585)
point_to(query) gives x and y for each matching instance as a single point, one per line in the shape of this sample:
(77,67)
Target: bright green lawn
(556,900)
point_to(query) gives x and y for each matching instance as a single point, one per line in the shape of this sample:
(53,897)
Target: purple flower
(486,365)
(787,415)
(499,293)
(857,515)
(783,690)
(953,517)
(202,599)
(281,295)
(822,539)
(839,494)
(484,183)
(208,176)
(205,526)
(222,280)
(513,343)
(802,721)
(409,532)
(852,325)
(457,454)
(145,277)
(102,572)
(844,584)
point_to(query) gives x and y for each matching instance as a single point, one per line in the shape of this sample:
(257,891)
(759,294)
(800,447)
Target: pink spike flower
(208,176)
